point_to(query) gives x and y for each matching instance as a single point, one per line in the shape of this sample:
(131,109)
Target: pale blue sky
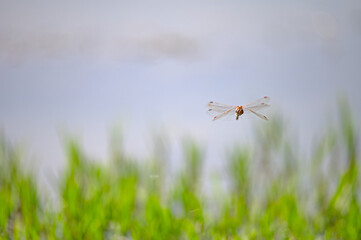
(86,66)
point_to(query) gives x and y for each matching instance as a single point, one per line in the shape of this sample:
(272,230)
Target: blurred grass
(269,195)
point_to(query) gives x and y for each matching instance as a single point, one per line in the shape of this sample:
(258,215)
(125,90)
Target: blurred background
(131,80)
(150,67)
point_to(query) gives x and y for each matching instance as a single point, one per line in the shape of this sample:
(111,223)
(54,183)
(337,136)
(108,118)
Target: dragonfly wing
(218,107)
(258,107)
(256,113)
(215,109)
(259,103)
(225,113)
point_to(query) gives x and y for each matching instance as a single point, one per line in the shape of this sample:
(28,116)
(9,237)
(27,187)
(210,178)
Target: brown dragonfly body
(239,111)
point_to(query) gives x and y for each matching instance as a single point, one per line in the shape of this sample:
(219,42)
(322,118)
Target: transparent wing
(255,113)
(258,104)
(218,107)
(228,112)
(258,107)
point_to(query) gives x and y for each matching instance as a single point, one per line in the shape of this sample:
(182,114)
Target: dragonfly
(221,110)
